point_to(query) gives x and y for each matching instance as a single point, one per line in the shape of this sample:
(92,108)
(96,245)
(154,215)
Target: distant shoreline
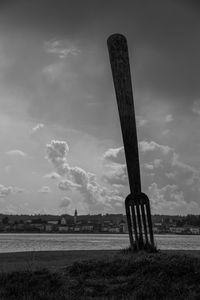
(106,233)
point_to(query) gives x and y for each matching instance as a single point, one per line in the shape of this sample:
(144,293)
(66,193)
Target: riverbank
(56,260)
(166,275)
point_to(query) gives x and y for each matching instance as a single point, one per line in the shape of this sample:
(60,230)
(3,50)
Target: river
(17,242)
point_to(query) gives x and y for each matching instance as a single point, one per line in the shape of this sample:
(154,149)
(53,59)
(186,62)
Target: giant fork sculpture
(137,203)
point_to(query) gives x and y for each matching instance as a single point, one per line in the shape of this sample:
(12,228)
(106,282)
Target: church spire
(75,216)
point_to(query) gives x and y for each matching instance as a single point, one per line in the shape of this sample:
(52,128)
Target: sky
(60,139)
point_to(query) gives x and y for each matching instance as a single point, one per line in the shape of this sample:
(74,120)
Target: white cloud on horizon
(6,191)
(174,183)
(97,197)
(170,200)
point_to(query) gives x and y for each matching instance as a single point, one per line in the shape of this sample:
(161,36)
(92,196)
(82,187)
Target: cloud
(37,128)
(87,186)
(97,197)
(44,190)
(160,165)
(151,156)
(80,176)
(17,190)
(16,152)
(60,73)
(115,155)
(5,191)
(9,210)
(196,107)
(164,175)
(65,202)
(52,175)
(141,121)
(165,132)
(148,166)
(67,185)
(170,175)
(57,154)
(146,146)
(61,48)
(170,199)
(117,176)
(169,118)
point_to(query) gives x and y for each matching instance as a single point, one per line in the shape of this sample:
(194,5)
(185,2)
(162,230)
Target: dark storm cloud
(164,44)
(50,16)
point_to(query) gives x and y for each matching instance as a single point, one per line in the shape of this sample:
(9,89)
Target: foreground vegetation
(124,276)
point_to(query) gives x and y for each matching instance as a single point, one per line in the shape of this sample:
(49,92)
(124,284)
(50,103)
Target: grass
(146,247)
(125,275)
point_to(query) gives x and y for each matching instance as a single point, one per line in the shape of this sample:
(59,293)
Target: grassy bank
(51,260)
(116,276)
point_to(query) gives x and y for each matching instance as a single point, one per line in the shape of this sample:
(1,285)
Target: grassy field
(101,275)
(56,260)
(52,260)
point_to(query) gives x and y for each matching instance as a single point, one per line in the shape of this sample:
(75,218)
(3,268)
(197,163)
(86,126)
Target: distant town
(108,223)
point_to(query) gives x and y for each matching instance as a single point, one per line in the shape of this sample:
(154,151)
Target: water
(17,242)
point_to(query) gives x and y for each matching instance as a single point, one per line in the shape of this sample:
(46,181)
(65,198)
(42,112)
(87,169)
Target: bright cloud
(61,48)
(65,202)
(5,191)
(57,154)
(94,195)
(141,121)
(115,155)
(67,185)
(37,128)
(169,118)
(175,184)
(117,175)
(152,146)
(170,200)
(44,190)
(52,175)
(16,152)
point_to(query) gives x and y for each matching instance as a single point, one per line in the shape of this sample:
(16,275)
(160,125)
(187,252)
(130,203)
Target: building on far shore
(63,221)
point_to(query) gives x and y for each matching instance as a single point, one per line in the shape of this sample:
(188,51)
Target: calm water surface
(10,242)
